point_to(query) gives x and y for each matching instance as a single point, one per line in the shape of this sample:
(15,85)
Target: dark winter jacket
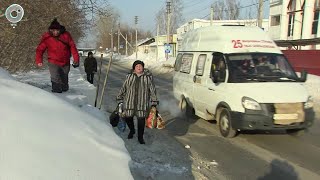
(137,93)
(59,51)
(90,65)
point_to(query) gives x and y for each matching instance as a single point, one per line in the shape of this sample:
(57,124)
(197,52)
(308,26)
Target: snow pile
(45,137)
(160,66)
(4,74)
(80,93)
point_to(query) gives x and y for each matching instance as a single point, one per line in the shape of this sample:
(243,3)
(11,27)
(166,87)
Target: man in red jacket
(60,46)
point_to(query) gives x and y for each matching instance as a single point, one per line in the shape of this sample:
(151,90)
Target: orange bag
(160,122)
(151,121)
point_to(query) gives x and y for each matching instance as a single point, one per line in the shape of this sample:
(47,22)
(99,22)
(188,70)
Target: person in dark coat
(90,67)
(138,92)
(60,45)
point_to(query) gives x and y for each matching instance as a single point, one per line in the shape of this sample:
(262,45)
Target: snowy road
(254,155)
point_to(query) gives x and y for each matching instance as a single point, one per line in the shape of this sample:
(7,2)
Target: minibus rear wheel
(225,125)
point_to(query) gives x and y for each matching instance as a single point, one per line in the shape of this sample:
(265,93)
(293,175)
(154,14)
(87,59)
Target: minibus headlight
(309,103)
(250,104)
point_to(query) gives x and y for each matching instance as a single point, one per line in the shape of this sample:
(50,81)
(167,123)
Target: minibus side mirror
(304,75)
(216,76)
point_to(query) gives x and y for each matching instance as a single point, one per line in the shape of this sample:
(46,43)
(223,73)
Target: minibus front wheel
(225,124)
(185,108)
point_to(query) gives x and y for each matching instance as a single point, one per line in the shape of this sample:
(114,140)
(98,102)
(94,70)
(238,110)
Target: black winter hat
(136,63)
(55,24)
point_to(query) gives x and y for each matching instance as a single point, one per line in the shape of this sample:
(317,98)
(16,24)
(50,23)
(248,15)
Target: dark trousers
(59,77)
(141,125)
(90,77)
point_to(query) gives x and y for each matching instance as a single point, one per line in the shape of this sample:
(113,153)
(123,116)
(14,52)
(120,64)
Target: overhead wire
(241,7)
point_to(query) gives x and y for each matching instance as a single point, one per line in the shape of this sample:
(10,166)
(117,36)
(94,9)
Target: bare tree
(110,22)
(232,9)
(18,44)
(226,9)
(105,24)
(218,9)
(176,17)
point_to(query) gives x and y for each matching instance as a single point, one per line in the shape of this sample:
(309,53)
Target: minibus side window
(186,63)
(200,64)
(177,64)
(218,67)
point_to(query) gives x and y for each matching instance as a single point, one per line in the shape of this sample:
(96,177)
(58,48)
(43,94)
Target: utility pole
(157,39)
(126,44)
(126,39)
(211,16)
(98,83)
(136,23)
(131,41)
(108,69)
(111,40)
(260,13)
(168,25)
(118,37)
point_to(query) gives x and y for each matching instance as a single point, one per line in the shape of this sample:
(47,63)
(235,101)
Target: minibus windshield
(260,67)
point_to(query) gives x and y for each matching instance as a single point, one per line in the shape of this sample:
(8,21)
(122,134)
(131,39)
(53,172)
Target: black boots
(130,135)
(65,87)
(56,87)
(59,88)
(141,124)
(141,141)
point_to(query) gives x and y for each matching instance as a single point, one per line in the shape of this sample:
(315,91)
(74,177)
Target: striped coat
(137,93)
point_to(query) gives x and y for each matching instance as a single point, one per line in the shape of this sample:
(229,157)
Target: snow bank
(157,66)
(5,75)
(45,137)
(85,92)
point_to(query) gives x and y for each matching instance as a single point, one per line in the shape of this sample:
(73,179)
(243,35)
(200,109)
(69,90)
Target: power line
(241,7)
(193,4)
(198,11)
(205,16)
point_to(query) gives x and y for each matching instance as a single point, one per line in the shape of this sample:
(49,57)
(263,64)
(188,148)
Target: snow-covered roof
(228,39)
(145,41)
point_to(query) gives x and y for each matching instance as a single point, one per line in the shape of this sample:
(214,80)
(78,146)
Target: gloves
(120,108)
(39,65)
(154,103)
(75,65)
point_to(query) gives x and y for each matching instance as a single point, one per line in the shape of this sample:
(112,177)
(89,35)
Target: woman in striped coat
(137,94)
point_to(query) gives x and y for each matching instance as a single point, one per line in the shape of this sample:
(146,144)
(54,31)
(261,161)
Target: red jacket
(58,52)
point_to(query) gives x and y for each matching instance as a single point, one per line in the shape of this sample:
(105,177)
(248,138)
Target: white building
(294,20)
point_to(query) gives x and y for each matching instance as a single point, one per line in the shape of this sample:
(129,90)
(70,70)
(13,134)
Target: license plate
(285,116)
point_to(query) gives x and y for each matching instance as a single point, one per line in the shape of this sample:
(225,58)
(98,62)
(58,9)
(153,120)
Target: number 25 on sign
(237,44)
